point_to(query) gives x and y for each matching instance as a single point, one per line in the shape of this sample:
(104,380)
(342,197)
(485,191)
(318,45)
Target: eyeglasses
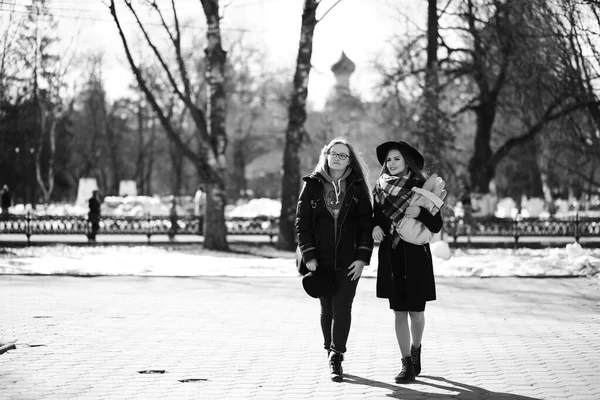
(342,157)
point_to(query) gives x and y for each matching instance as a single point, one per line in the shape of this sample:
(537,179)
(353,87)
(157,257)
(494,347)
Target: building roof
(343,66)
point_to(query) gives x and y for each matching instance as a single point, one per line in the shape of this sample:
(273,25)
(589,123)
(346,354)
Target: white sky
(361,28)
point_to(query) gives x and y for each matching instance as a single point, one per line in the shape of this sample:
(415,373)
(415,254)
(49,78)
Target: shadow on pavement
(447,389)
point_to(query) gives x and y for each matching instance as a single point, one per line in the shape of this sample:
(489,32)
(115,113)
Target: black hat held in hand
(411,156)
(318,285)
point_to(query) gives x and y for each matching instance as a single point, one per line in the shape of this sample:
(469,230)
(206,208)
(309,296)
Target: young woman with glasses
(333,227)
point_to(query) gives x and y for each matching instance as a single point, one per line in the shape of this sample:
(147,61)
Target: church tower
(342,71)
(340,98)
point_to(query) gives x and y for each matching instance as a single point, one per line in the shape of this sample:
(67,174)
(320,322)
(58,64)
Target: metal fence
(576,227)
(30,224)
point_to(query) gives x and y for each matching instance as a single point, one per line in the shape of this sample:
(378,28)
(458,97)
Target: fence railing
(30,224)
(576,227)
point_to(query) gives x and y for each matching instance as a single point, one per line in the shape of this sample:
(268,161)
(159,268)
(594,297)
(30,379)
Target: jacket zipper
(337,238)
(335,224)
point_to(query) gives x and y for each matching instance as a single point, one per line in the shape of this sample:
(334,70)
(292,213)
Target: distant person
(333,227)
(405,271)
(467,203)
(199,205)
(94,215)
(6,200)
(173,218)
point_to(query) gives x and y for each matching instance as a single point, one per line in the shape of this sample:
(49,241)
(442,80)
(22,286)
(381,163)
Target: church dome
(343,66)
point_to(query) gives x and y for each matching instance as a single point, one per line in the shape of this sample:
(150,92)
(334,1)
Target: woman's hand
(311,265)
(356,269)
(412,211)
(378,233)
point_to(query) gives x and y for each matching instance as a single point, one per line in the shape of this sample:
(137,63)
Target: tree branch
(548,117)
(165,122)
(327,12)
(198,116)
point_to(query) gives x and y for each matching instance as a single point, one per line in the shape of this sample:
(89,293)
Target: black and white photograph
(299,199)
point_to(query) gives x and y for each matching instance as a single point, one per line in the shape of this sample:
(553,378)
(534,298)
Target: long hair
(357,163)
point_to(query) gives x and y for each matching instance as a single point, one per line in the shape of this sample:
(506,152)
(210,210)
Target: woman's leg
(402,332)
(326,320)
(407,374)
(417,326)
(342,317)
(342,310)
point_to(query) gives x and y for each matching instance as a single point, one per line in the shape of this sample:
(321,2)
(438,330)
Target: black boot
(408,373)
(415,357)
(335,366)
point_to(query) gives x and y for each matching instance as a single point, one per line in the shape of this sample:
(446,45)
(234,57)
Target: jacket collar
(352,178)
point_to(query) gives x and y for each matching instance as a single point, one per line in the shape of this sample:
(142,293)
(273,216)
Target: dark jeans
(174,226)
(95,226)
(336,312)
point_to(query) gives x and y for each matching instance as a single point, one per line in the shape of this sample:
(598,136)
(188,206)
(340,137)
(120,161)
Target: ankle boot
(408,373)
(335,366)
(415,357)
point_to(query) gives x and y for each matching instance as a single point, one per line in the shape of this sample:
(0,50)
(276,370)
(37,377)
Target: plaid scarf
(393,193)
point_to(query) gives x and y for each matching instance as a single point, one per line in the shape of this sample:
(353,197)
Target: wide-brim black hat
(410,154)
(318,285)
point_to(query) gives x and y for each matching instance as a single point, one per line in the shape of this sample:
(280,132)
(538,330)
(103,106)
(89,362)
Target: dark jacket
(334,246)
(95,207)
(407,261)
(6,199)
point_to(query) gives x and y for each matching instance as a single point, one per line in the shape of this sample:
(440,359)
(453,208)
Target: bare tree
(516,49)
(8,63)
(250,118)
(90,124)
(433,129)
(295,132)
(46,72)
(209,156)
(508,64)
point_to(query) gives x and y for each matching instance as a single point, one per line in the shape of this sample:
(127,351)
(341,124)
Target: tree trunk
(431,139)
(151,157)
(295,132)
(140,173)
(239,167)
(591,179)
(113,145)
(46,112)
(432,35)
(210,162)
(481,171)
(535,176)
(176,159)
(543,159)
(214,212)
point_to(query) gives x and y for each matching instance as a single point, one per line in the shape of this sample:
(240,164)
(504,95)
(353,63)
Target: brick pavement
(259,338)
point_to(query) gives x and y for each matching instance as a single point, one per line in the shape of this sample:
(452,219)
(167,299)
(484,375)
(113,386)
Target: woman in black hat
(333,227)
(405,272)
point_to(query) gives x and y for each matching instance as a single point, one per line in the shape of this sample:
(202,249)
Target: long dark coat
(341,245)
(407,261)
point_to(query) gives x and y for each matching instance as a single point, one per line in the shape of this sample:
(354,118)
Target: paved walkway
(259,338)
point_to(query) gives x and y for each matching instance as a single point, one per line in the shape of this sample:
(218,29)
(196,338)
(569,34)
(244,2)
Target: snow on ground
(256,207)
(188,261)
